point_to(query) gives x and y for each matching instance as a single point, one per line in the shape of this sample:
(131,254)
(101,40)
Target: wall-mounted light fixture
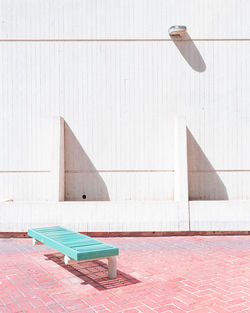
(177,30)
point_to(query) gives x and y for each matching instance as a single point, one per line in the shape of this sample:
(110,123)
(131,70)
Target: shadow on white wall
(82,180)
(203,181)
(190,52)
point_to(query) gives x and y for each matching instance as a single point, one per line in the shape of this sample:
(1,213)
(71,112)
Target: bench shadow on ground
(94,273)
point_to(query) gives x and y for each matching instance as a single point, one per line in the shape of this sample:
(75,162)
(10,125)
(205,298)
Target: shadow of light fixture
(187,48)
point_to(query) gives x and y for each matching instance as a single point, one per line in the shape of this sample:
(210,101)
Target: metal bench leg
(67,260)
(112,272)
(36,242)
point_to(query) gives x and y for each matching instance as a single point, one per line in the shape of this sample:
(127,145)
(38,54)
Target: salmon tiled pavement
(161,274)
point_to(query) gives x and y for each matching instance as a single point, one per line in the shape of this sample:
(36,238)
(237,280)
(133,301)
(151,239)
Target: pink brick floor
(166,274)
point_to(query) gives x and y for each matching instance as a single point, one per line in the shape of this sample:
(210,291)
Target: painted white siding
(119,97)
(26,158)
(129,19)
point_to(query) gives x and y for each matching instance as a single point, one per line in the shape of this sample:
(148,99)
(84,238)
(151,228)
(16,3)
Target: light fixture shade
(177,30)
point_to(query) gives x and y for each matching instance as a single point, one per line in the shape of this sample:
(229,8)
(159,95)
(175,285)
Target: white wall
(111,71)
(219,215)
(113,216)
(25,167)
(85,19)
(127,216)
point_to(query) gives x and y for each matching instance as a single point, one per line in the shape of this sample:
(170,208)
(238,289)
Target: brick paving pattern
(161,274)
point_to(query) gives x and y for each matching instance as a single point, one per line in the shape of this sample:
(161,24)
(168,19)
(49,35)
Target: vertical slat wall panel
(126,19)
(119,98)
(25,158)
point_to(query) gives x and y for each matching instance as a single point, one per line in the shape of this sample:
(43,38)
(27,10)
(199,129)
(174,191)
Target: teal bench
(76,247)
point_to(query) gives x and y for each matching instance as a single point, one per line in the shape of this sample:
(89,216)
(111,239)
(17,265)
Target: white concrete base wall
(92,216)
(127,216)
(219,215)
(95,216)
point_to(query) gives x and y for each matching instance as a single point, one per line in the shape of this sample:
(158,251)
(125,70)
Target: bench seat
(76,247)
